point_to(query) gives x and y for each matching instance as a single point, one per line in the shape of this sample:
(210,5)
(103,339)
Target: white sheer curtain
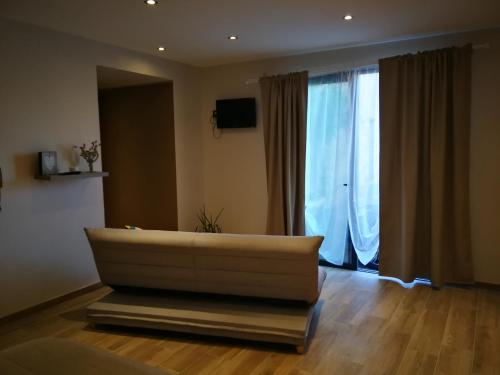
(342,163)
(364,167)
(327,162)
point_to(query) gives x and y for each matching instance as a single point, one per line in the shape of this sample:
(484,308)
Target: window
(342,198)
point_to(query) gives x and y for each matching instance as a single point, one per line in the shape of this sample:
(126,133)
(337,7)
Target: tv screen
(236,113)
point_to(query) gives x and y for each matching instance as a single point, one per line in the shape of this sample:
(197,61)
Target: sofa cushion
(53,356)
(250,265)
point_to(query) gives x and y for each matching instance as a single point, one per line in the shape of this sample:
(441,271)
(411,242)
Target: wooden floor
(366,325)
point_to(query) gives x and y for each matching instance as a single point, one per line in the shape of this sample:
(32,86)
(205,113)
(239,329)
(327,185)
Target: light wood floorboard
(363,325)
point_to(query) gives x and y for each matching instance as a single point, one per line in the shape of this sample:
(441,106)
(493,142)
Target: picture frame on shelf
(47,163)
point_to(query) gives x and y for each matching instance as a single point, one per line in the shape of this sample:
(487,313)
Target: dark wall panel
(138,149)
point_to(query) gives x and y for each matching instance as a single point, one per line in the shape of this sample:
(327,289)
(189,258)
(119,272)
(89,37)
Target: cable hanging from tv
(216,133)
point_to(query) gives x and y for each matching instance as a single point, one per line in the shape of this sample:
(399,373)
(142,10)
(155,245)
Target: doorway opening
(136,116)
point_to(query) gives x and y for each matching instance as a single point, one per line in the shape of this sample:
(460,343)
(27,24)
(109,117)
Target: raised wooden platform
(236,317)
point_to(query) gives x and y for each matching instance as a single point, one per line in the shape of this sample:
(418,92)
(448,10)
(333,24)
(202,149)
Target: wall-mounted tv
(236,113)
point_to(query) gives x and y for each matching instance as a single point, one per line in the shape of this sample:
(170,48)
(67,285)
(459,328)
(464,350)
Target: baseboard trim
(49,303)
(482,285)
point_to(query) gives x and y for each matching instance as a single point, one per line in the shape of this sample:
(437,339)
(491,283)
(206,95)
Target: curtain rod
(253,81)
(333,68)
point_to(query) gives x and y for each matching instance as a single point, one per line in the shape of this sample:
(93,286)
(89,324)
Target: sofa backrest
(248,265)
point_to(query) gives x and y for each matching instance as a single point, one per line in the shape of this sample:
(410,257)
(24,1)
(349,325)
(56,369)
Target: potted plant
(208,224)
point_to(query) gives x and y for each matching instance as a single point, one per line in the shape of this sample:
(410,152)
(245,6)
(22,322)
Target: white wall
(234,165)
(48,101)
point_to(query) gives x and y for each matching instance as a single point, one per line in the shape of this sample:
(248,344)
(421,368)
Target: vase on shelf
(90,154)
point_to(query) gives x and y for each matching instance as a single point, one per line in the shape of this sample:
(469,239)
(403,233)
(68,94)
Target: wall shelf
(62,177)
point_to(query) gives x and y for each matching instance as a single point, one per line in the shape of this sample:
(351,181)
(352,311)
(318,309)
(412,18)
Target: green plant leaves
(207,223)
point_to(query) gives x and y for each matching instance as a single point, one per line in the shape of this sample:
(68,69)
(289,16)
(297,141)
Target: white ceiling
(195,31)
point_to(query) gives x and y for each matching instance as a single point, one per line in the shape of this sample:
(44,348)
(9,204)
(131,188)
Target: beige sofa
(56,356)
(247,286)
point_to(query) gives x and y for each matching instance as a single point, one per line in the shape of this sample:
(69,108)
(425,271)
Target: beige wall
(48,101)
(234,166)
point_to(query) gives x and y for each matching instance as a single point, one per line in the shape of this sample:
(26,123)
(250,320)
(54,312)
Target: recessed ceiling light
(232,37)
(151,2)
(348,17)
(161,49)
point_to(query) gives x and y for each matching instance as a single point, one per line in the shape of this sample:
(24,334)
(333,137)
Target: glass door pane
(327,160)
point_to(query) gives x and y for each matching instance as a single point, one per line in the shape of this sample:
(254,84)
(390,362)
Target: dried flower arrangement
(91,154)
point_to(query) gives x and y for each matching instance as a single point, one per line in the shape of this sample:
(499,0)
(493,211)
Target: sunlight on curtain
(342,149)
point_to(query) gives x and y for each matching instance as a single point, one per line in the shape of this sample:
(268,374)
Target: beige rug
(52,356)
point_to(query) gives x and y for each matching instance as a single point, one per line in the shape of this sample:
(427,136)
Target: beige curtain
(284,108)
(424,166)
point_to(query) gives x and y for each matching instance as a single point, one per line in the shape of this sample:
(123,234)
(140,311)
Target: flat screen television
(236,113)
